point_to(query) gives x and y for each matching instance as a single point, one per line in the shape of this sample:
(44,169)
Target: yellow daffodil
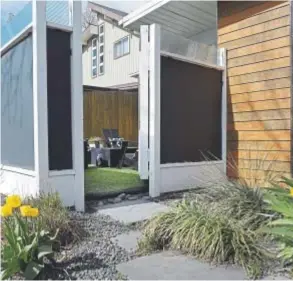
(25,210)
(6,211)
(13,201)
(34,212)
(291,191)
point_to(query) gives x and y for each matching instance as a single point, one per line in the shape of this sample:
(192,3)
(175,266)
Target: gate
(182,132)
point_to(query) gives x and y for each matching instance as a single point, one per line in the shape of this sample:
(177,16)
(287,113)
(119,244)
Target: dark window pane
(101,69)
(17,119)
(101,59)
(102,39)
(102,49)
(59,100)
(94,62)
(101,28)
(94,52)
(94,72)
(94,42)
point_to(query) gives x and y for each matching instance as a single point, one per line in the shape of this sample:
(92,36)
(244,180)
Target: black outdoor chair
(110,134)
(122,153)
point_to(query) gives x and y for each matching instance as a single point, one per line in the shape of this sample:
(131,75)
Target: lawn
(100,180)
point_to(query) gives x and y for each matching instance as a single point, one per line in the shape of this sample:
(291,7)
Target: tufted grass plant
(53,215)
(218,222)
(198,229)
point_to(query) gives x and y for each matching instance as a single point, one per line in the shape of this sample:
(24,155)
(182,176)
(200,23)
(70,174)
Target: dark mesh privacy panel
(59,100)
(190,112)
(17,119)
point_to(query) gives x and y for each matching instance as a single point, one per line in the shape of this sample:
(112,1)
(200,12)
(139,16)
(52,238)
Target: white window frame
(120,41)
(94,57)
(101,54)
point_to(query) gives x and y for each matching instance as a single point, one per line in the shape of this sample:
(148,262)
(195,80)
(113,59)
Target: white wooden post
(222,62)
(155,108)
(143,143)
(77,104)
(40,93)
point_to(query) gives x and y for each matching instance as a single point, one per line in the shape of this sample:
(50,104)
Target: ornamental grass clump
(217,224)
(54,215)
(26,244)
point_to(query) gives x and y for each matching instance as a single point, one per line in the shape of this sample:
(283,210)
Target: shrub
(280,200)
(26,243)
(216,224)
(53,215)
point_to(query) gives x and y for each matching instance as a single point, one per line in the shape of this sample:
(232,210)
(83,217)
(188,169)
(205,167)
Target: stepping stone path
(166,265)
(135,212)
(128,241)
(170,265)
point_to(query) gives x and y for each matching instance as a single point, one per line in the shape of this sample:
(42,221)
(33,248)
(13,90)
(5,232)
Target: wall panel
(257,39)
(17,114)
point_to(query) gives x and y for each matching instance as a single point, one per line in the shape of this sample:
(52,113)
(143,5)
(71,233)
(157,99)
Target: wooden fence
(105,108)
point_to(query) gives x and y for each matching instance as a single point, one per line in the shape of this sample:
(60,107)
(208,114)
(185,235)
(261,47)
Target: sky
(14,6)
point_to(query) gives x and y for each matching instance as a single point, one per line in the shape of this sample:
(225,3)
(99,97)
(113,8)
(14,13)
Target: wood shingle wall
(257,38)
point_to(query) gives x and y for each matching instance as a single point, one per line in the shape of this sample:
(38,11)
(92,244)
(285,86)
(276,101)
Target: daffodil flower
(6,211)
(25,210)
(13,201)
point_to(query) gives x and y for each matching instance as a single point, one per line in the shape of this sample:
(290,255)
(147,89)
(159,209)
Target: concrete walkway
(166,265)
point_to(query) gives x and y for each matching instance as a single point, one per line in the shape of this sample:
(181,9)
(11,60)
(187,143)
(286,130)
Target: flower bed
(26,243)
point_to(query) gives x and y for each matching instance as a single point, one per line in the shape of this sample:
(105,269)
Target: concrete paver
(170,265)
(128,241)
(134,213)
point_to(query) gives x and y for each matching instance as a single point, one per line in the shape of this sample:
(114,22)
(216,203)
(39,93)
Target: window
(101,49)
(121,47)
(94,57)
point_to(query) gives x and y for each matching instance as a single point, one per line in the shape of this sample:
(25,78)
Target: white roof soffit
(185,18)
(89,32)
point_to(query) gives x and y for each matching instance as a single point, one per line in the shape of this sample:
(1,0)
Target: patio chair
(107,136)
(122,155)
(111,136)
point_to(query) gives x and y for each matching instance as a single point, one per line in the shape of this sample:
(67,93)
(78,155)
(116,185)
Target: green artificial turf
(100,180)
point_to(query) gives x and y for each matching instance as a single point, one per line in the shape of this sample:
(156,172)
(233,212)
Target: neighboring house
(110,52)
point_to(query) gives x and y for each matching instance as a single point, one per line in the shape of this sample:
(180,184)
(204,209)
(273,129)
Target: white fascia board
(142,11)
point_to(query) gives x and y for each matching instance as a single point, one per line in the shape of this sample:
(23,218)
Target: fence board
(111,109)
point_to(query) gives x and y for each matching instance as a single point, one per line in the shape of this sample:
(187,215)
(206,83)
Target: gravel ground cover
(95,256)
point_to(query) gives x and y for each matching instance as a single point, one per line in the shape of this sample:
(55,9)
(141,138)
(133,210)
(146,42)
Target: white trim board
(18,170)
(40,93)
(77,105)
(143,144)
(142,11)
(61,173)
(191,164)
(16,39)
(62,27)
(154,111)
(197,62)
(223,61)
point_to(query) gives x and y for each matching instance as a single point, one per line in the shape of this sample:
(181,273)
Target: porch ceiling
(185,18)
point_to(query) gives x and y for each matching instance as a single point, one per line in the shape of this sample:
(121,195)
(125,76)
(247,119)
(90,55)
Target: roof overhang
(185,18)
(90,31)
